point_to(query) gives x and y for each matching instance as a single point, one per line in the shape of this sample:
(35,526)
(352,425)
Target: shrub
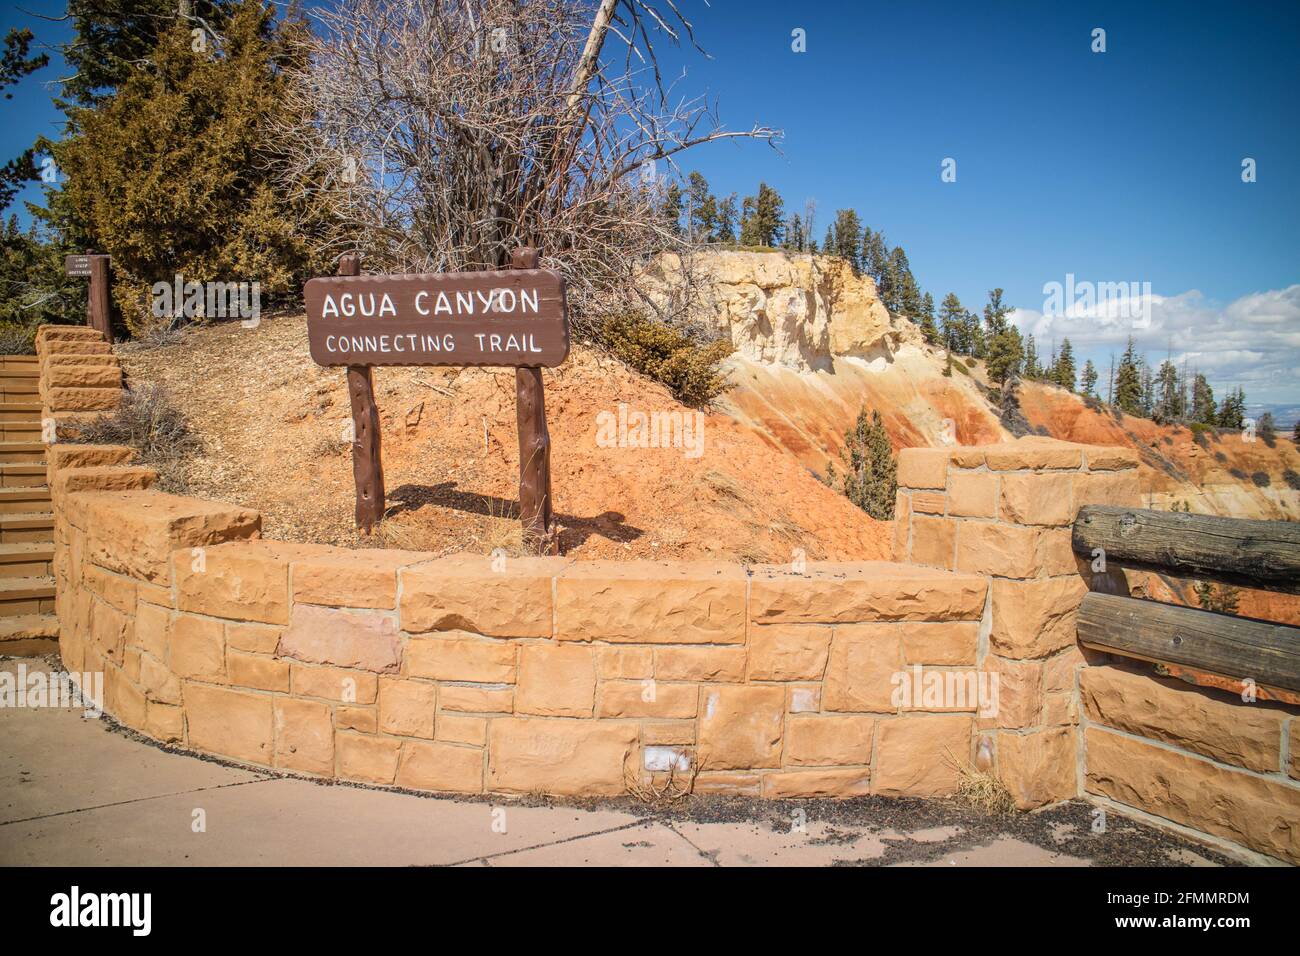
(17,339)
(149,422)
(871,473)
(1218,597)
(685,361)
(1261,479)
(1292,479)
(1237,473)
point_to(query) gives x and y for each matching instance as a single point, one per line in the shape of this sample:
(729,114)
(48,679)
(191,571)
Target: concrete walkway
(82,792)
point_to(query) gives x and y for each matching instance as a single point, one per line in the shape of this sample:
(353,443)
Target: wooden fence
(1202,647)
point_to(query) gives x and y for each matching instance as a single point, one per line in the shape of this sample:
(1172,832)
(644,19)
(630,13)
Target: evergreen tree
(904,292)
(848,229)
(748,222)
(794,238)
(1232,414)
(727,220)
(671,207)
(829,244)
(769,216)
(875,256)
(1204,410)
(871,473)
(952,322)
(979,341)
(1032,369)
(1148,388)
(928,327)
(703,208)
(1266,429)
(1169,394)
(995,314)
(168,175)
(1128,382)
(1005,354)
(1063,368)
(1089,382)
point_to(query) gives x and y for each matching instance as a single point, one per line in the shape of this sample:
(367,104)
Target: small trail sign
(98,306)
(509,319)
(514,319)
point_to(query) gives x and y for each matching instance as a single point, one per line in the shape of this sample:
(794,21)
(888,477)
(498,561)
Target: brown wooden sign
(517,318)
(98,305)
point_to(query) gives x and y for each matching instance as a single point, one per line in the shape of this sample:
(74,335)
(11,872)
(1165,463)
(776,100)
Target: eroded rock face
(797,311)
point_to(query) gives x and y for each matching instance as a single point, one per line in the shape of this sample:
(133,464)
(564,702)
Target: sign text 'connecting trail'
(517,318)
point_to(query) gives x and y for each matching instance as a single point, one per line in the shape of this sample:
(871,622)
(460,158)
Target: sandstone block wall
(471,674)
(80,376)
(1072,723)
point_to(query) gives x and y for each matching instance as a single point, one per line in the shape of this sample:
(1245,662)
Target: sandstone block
(165,722)
(929,502)
(407,707)
(347,578)
(365,640)
(559,756)
(258,672)
(1035,618)
(197,648)
(649,698)
(333,683)
(1121,489)
(230,723)
(463,658)
(828,741)
(862,591)
(465,592)
(254,638)
(367,759)
(668,733)
(787,784)
(458,729)
(788,651)
(156,525)
(973,494)
(478,699)
(938,642)
(863,670)
(1006,550)
(1033,454)
(443,767)
(1111,459)
(304,736)
(243,581)
(625,663)
(919,755)
(740,728)
(933,541)
(1038,768)
(923,467)
(651,602)
(1038,499)
(362,719)
(1207,722)
(700,664)
(1240,806)
(556,681)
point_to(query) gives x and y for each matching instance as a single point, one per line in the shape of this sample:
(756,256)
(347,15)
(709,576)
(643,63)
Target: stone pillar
(1005,511)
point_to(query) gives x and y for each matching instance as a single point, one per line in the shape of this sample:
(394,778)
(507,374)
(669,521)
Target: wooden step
(20,596)
(26,559)
(23,475)
(22,451)
(17,528)
(20,371)
(25,390)
(24,501)
(20,412)
(20,431)
(29,635)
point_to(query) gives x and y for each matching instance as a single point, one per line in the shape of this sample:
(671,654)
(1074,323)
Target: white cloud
(1253,341)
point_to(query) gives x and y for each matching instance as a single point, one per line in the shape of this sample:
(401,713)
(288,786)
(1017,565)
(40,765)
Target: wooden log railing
(1202,647)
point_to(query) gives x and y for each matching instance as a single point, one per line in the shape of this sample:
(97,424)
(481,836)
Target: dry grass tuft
(663,789)
(983,791)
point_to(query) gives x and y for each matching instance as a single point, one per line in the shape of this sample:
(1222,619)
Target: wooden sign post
(98,307)
(513,319)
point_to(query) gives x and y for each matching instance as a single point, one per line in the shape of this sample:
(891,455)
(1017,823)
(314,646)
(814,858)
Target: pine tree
(769,216)
(928,327)
(1266,429)
(952,317)
(1169,395)
(794,238)
(1089,382)
(1128,382)
(15,63)
(1005,354)
(1032,369)
(871,473)
(1232,414)
(702,206)
(671,207)
(875,256)
(169,174)
(1063,368)
(995,314)
(848,229)
(1204,410)
(748,222)
(726,231)
(905,293)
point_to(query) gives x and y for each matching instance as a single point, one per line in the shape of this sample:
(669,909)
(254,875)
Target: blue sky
(1122,166)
